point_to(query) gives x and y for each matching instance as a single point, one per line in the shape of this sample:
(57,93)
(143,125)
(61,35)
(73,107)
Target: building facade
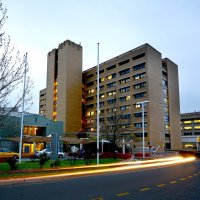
(135,76)
(64,86)
(36,130)
(190,130)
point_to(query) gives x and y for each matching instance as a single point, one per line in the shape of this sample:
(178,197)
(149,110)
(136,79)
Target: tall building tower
(135,76)
(64,85)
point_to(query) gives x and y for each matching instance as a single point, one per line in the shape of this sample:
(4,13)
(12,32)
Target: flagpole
(22,116)
(97,103)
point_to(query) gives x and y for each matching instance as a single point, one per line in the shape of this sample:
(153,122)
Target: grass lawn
(26,165)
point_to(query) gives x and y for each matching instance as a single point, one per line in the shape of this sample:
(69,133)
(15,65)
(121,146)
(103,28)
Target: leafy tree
(115,126)
(12,71)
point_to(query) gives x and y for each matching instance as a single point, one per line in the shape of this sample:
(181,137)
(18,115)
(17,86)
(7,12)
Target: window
(101,103)
(187,127)
(139,95)
(111,67)
(164,83)
(113,84)
(90,113)
(90,83)
(139,85)
(126,98)
(125,89)
(101,80)
(90,106)
(140,114)
(140,134)
(197,121)
(126,107)
(125,71)
(139,125)
(196,127)
(111,76)
(90,75)
(124,62)
(164,74)
(138,56)
(111,110)
(101,96)
(111,93)
(111,101)
(125,80)
(187,122)
(139,76)
(101,87)
(101,71)
(90,91)
(138,67)
(126,116)
(89,98)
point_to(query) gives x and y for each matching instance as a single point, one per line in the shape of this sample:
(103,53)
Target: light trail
(144,164)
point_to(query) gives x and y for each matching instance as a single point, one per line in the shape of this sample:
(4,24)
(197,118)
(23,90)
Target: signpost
(54,146)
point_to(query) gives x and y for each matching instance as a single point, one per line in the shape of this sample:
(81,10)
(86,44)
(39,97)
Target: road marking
(99,198)
(183,179)
(172,182)
(190,176)
(144,189)
(123,194)
(161,185)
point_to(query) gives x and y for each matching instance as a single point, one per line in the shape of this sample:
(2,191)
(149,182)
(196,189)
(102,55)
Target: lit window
(109,77)
(90,91)
(196,127)
(92,129)
(197,121)
(187,122)
(102,95)
(187,127)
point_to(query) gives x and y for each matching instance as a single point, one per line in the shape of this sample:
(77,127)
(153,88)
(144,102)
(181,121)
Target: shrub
(43,159)
(56,163)
(12,163)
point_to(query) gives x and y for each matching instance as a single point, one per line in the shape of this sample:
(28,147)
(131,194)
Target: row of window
(191,121)
(122,81)
(190,127)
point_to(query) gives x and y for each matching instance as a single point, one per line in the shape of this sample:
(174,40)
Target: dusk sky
(172,27)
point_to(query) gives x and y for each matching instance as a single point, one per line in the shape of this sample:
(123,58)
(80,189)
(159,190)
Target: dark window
(101,71)
(189,133)
(138,56)
(140,66)
(139,76)
(90,75)
(125,80)
(140,114)
(139,95)
(139,85)
(90,106)
(101,87)
(101,103)
(127,116)
(125,89)
(109,85)
(111,101)
(90,84)
(124,62)
(140,134)
(125,71)
(89,98)
(111,67)
(164,73)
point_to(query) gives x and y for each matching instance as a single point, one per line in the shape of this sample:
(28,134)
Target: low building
(37,130)
(190,130)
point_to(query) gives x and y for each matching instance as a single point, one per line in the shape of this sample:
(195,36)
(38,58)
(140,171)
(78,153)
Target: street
(180,182)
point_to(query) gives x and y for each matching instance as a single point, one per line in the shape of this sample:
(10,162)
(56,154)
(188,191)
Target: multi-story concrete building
(42,103)
(190,130)
(64,86)
(137,75)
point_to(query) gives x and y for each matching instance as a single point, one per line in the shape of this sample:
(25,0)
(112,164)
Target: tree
(12,71)
(115,125)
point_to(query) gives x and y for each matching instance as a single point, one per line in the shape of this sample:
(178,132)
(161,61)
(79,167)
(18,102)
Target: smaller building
(37,130)
(190,130)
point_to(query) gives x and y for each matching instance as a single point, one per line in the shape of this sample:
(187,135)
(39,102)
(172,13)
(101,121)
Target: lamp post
(143,136)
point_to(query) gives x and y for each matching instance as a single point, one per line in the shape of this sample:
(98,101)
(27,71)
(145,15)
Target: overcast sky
(172,27)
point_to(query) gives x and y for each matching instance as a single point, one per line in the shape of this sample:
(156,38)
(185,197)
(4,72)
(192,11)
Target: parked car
(48,153)
(5,153)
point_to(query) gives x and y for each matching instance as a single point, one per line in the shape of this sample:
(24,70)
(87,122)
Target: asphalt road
(179,182)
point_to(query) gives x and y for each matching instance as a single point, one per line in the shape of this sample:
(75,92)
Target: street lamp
(143,142)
